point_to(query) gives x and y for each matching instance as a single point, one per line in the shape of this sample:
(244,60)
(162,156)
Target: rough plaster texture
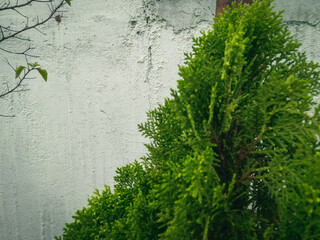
(109,61)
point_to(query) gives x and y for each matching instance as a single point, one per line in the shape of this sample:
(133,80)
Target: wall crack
(149,65)
(295,22)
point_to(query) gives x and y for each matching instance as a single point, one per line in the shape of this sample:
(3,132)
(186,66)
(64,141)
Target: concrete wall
(109,61)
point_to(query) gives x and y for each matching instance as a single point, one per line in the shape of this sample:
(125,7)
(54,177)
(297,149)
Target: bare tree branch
(19,83)
(7,7)
(8,29)
(1,31)
(16,6)
(6,33)
(10,116)
(54,10)
(20,13)
(25,52)
(40,31)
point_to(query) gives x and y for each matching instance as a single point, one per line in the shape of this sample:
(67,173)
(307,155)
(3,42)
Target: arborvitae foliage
(234,152)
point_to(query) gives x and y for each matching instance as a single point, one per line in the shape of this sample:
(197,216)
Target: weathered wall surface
(109,61)
(303,20)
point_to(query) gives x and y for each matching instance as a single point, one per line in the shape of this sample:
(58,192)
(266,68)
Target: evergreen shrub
(234,153)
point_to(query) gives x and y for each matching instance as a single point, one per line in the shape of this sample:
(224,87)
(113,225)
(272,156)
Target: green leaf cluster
(234,153)
(31,67)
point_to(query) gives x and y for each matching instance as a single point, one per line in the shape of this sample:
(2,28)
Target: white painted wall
(109,61)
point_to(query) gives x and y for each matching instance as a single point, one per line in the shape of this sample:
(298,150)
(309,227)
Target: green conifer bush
(234,153)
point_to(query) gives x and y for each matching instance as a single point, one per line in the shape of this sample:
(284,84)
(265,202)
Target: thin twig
(20,53)
(253,144)
(20,13)
(9,116)
(20,5)
(19,84)
(23,39)
(10,64)
(247,176)
(4,5)
(8,29)
(16,6)
(1,31)
(40,31)
(34,25)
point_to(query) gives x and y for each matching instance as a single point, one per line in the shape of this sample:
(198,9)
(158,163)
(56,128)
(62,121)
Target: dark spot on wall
(133,23)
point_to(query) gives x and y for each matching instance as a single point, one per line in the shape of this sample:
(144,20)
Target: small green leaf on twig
(33,65)
(68,2)
(19,70)
(43,73)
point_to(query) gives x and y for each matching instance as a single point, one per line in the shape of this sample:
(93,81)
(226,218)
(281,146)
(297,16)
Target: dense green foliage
(234,152)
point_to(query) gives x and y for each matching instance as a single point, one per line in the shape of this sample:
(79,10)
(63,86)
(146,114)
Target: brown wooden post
(221,4)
